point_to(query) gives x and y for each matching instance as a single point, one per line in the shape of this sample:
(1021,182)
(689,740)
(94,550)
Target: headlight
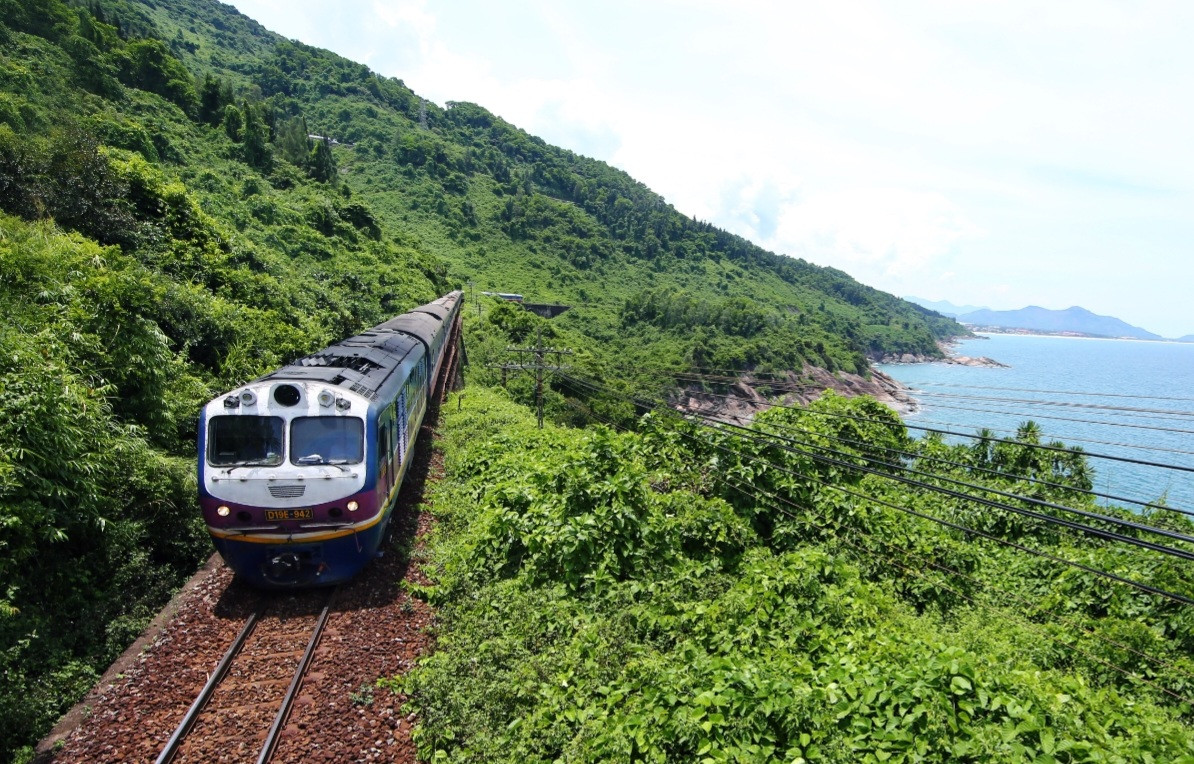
(352,506)
(326,398)
(248,397)
(223,510)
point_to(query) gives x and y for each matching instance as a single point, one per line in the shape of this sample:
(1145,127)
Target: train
(299,470)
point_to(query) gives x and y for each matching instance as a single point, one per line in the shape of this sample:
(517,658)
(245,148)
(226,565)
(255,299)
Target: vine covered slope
(168,229)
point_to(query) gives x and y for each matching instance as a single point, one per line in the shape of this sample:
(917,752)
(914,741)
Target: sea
(1123,398)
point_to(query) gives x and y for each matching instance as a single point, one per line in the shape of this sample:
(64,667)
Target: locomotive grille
(287,491)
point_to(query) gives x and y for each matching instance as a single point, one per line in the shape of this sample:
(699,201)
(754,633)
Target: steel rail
(213,681)
(275,730)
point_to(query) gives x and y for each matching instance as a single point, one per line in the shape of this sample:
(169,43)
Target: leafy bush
(613,597)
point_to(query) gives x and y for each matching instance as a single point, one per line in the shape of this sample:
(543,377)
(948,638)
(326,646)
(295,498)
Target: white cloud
(412,16)
(899,142)
(889,231)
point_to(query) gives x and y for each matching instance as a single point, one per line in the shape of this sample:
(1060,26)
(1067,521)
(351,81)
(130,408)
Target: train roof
(362,363)
(422,325)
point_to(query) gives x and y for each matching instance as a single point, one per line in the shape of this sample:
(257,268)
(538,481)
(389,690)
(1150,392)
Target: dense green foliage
(145,264)
(171,224)
(654,596)
(511,213)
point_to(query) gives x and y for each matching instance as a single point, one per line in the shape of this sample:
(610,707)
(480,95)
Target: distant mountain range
(1187,338)
(944,307)
(1075,320)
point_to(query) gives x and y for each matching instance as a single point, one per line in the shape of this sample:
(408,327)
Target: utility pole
(539,366)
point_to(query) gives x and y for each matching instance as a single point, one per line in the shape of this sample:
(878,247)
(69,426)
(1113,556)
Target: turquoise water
(1117,397)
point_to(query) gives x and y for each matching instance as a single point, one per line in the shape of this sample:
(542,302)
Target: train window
(326,440)
(396,442)
(244,441)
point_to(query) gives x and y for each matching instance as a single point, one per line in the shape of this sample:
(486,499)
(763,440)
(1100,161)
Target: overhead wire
(1069,438)
(948,523)
(948,424)
(1057,418)
(989,471)
(1172,413)
(1139,413)
(1091,393)
(989,585)
(737,485)
(1041,446)
(1058,392)
(1154,504)
(1072,525)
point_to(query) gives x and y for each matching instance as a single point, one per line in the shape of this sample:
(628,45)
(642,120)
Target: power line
(989,471)
(986,584)
(1128,411)
(1037,415)
(1069,438)
(1041,446)
(788,374)
(1072,525)
(948,523)
(754,495)
(1057,392)
(1172,413)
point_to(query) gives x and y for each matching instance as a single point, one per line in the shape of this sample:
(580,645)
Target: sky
(990,154)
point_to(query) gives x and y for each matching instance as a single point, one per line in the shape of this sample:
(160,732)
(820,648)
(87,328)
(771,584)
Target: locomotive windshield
(327,440)
(241,441)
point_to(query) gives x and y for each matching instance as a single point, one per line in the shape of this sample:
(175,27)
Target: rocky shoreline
(947,348)
(743,399)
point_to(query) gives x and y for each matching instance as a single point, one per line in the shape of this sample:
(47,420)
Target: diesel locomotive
(299,469)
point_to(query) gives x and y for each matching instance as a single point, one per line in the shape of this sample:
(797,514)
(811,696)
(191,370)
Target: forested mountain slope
(169,230)
(512,213)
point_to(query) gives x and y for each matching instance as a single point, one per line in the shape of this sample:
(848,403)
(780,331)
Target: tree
(149,65)
(234,122)
(292,140)
(211,102)
(323,163)
(256,137)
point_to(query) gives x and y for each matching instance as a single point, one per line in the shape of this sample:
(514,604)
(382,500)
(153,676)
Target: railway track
(374,629)
(242,710)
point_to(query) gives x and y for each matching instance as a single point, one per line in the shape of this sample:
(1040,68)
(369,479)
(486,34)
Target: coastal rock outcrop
(982,361)
(947,349)
(740,401)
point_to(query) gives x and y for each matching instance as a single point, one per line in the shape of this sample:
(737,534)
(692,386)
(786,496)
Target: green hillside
(168,230)
(506,210)
(683,593)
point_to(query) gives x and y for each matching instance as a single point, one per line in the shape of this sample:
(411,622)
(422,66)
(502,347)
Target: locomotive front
(284,476)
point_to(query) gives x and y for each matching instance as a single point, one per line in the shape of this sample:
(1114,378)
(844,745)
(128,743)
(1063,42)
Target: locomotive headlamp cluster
(352,506)
(223,510)
(326,398)
(343,404)
(248,397)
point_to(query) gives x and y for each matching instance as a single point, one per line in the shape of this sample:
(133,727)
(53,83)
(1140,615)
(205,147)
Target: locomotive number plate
(289,514)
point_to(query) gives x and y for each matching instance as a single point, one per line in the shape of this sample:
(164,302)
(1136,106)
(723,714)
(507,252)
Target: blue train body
(299,470)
